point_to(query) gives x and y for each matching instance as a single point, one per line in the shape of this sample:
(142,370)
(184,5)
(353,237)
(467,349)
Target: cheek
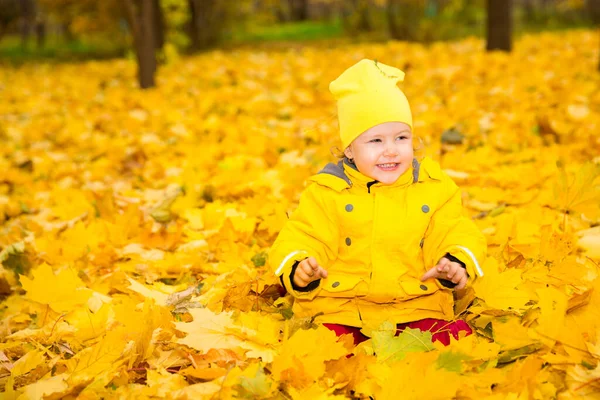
(369,156)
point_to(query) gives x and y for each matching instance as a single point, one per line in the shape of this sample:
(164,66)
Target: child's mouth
(388,167)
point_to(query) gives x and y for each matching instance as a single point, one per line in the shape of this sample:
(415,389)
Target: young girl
(379,236)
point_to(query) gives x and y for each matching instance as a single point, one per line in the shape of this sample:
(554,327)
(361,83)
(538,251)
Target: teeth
(387,165)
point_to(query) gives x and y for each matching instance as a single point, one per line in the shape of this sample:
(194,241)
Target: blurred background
(92,29)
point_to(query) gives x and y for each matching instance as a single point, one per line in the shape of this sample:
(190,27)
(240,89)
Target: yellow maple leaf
(579,194)
(499,289)
(510,333)
(52,386)
(106,355)
(219,331)
(553,306)
(301,359)
(29,361)
(62,292)
(413,377)
(89,324)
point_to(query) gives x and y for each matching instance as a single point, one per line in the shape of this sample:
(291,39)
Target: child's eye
(374,140)
(402,137)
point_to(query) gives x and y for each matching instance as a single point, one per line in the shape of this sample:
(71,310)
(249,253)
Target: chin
(388,181)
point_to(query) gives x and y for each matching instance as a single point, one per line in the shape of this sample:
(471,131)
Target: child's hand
(446,269)
(308,271)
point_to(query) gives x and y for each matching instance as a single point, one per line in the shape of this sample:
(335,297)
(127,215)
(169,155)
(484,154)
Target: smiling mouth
(388,167)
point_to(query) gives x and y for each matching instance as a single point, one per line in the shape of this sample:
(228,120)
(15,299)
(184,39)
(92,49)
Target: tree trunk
(193,25)
(364,23)
(499,25)
(298,10)
(27,22)
(393,27)
(529,10)
(204,23)
(593,9)
(40,33)
(141,15)
(158,25)
(403,19)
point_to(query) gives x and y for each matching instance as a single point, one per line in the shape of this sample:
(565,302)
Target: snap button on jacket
(376,241)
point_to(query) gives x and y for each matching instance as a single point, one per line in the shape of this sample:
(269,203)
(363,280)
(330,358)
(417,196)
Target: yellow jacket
(376,241)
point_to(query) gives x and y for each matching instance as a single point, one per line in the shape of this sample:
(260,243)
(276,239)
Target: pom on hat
(367,96)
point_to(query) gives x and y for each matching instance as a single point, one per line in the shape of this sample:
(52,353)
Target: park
(153,150)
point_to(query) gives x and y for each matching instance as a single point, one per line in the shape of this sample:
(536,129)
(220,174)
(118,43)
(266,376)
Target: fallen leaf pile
(135,225)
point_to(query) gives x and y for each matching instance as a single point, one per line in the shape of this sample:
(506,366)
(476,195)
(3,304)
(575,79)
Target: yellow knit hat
(367,95)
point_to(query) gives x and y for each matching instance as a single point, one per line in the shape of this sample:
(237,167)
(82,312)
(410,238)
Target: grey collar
(337,170)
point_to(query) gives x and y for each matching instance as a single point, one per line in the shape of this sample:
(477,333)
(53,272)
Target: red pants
(440,329)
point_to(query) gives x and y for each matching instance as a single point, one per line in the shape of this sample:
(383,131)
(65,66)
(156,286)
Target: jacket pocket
(416,288)
(343,286)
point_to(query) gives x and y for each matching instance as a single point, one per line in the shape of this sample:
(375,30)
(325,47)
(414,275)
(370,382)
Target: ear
(348,152)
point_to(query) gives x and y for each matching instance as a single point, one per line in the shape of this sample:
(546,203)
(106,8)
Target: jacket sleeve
(311,231)
(450,231)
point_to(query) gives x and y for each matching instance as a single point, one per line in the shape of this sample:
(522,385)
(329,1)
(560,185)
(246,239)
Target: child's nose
(391,150)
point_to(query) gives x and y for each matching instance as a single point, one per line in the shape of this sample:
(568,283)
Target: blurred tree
(86,17)
(144,17)
(25,13)
(593,9)
(298,10)
(356,16)
(403,18)
(206,21)
(28,20)
(147,26)
(499,25)
(429,20)
(9,15)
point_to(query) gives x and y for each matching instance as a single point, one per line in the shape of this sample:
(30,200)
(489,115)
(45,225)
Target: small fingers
(459,275)
(322,273)
(303,277)
(312,262)
(298,281)
(306,268)
(452,270)
(432,273)
(463,283)
(442,265)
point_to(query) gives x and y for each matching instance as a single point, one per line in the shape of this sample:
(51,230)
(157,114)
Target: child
(379,236)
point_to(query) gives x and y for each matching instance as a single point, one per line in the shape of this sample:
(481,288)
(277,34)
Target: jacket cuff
(472,264)
(286,271)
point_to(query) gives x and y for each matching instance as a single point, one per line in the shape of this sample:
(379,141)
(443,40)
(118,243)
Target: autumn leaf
(500,289)
(580,193)
(257,334)
(62,292)
(103,357)
(301,359)
(389,348)
(28,362)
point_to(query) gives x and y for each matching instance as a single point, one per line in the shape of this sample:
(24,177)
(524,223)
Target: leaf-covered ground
(135,225)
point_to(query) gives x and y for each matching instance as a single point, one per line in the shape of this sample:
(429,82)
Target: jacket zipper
(369,184)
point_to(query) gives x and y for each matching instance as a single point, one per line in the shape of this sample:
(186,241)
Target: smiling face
(383,152)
